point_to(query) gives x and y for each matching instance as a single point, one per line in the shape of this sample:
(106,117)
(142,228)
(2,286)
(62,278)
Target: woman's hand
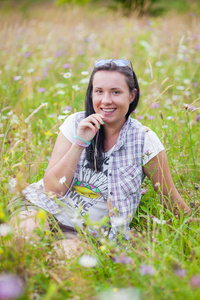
(89,126)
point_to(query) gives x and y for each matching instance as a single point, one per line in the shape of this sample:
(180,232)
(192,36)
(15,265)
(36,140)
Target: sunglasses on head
(118,62)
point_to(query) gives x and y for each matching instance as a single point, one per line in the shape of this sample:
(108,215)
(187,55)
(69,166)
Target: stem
(190,136)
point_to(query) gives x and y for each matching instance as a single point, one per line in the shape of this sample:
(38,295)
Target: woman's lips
(108,111)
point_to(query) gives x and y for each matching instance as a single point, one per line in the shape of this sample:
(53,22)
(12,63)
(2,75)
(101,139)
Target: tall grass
(36,52)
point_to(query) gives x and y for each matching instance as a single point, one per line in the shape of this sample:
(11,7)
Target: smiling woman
(101,157)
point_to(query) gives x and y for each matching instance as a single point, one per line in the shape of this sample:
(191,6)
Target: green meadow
(46,55)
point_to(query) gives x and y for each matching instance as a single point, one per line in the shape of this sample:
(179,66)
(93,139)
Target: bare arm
(65,156)
(157,169)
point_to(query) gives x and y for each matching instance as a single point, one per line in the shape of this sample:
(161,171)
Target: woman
(101,156)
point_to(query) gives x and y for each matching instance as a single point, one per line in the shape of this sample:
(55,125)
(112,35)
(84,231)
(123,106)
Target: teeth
(108,110)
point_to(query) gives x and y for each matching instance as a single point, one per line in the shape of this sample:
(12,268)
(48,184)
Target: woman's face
(111,97)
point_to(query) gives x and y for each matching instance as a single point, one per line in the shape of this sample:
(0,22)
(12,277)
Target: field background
(46,54)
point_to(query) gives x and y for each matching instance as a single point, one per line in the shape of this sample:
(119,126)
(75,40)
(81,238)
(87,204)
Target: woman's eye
(116,92)
(98,91)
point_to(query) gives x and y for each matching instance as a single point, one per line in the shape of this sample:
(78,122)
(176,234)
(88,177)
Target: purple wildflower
(191,107)
(143,191)
(27,54)
(151,117)
(197,118)
(155,105)
(197,47)
(36,78)
(80,52)
(44,73)
(66,66)
(146,270)
(41,90)
(140,117)
(123,259)
(11,286)
(59,53)
(194,84)
(180,272)
(195,281)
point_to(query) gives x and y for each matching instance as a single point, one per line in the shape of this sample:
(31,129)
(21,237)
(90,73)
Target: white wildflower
(2,135)
(84,81)
(5,229)
(159,63)
(76,87)
(60,117)
(85,73)
(17,78)
(88,261)
(118,221)
(169,118)
(12,185)
(60,85)
(156,220)
(67,75)
(62,180)
(60,92)
(180,88)
(31,70)
(186,81)
(44,104)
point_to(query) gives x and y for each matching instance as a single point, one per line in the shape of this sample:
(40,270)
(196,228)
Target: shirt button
(111,193)
(110,174)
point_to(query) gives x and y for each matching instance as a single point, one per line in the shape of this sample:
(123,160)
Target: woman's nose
(106,98)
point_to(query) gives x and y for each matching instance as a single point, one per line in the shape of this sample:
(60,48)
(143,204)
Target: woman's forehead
(109,78)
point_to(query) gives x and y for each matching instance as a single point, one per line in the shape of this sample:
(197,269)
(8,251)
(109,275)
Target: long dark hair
(95,158)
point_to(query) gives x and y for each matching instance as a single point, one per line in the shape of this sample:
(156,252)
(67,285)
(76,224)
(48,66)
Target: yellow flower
(115,290)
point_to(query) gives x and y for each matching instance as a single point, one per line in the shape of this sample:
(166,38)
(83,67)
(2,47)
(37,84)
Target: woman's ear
(132,95)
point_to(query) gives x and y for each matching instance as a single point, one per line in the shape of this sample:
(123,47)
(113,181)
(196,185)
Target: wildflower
(36,78)
(117,221)
(84,81)
(62,180)
(41,90)
(66,66)
(146,270)
(143,191)
(155,105)
(151,117)
(17,78)
(76,87)
(11,286)
(44,104)
(60,92)
(60,117)
(180,272)
(27,54)
(159,63)
(88,261)
(31,70)
(156,220)
(180,87)
(186,81)
(67,109)
(197,118)
(60,85)
(12,185)
(157,184)
(140,117)
(195,281)
(85,73)
(195,84)
(123,259)
(67,75)
(5,230)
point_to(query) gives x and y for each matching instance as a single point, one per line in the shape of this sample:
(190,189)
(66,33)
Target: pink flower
(146,270)
(195,281)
